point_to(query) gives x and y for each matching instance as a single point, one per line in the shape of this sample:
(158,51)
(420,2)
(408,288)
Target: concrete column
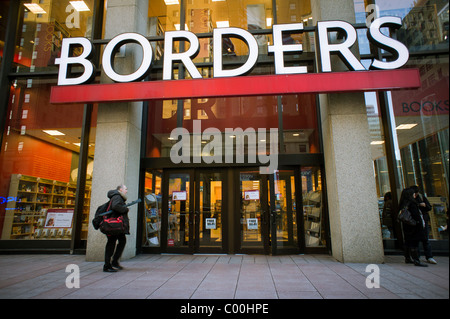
(118,132)
(352,198)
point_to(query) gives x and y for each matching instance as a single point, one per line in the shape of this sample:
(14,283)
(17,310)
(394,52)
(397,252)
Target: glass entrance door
(178,212)
(252,218)
(210,208)
(283,211)
(267,213)
(193,210)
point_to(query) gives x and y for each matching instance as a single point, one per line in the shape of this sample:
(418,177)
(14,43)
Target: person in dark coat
(118,198)
(412,234)
(425,207)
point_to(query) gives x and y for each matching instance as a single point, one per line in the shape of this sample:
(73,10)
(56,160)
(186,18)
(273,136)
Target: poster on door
(252,223)
(179,195)
(210,223)
(251,195)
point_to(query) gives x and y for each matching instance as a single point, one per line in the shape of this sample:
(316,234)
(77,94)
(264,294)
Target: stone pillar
(352,198)
(118,132)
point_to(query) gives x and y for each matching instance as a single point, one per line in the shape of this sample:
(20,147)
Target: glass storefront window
(299,119)
(4,9)
(300,128)
(42,27)
(419,117)
(297,11)
(162,119)
(250,15)
(420,124)
(381,172)
(425,23)
(422,130)
(39,164)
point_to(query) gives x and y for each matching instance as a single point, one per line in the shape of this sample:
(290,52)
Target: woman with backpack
(117,198)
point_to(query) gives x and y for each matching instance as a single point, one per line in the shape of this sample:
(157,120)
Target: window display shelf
(30,198)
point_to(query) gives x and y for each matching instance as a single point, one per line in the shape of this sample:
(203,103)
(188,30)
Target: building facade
(196,161)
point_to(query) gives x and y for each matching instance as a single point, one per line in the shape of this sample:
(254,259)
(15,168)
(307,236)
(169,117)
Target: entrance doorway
(235,210)
(267,208)
(193,211)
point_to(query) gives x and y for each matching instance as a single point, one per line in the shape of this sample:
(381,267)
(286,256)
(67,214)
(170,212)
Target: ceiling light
(377,142)
(170,2)
(177,26)
(34,8)
(296,134)
(53,132)
(79,6)
(406,126)
(223,24)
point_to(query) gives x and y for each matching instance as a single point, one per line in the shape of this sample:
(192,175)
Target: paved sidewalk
(219,277)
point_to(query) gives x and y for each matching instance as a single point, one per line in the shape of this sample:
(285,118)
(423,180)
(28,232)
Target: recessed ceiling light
(377,142)
(53,132)
(223,24)
(169,2)
(177,27)
(79,6)
(34,8)
(406,126)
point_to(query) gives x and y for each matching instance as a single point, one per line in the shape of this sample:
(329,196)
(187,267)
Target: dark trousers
(426,243)
(111,250)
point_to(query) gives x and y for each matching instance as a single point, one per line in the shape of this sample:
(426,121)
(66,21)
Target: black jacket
(119,208)
(422,199)
(414,232)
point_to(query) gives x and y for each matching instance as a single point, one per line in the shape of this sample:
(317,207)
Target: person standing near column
(118,198)
(413,234)
(425,207)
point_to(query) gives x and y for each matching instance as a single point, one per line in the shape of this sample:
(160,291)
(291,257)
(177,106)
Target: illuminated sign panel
(278,49)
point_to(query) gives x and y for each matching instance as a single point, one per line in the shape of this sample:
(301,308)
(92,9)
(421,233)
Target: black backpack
(98,218)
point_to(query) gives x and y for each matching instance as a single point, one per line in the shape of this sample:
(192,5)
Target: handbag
(404,216)
(112,225)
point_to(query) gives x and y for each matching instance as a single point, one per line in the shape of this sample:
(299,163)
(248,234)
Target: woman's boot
(408,259)
(415,257)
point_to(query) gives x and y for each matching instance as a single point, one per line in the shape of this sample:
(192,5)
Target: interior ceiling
(71,136)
